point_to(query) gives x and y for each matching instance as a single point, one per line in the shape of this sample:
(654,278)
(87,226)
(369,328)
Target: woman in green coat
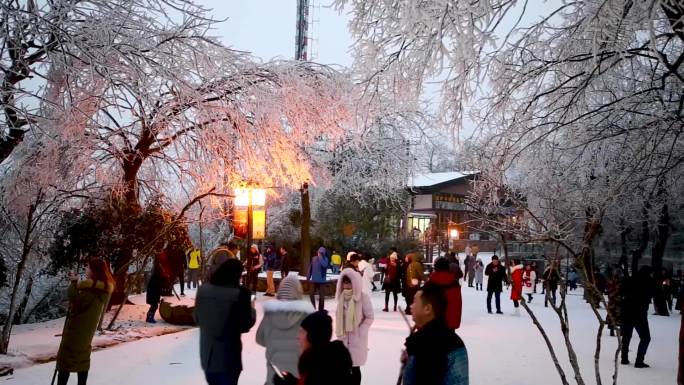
(87,300)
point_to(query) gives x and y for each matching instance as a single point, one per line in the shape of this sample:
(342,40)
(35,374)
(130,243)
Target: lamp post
(246,198)
(452,232)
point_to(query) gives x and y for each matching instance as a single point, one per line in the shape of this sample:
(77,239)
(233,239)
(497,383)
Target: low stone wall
(328,288)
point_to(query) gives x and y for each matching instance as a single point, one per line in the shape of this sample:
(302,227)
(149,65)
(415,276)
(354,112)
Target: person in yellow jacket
(335,262)
(194,266)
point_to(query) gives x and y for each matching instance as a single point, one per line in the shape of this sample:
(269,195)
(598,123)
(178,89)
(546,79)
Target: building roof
(436,178)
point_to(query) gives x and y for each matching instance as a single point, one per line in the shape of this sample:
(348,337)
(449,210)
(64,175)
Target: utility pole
(301,44)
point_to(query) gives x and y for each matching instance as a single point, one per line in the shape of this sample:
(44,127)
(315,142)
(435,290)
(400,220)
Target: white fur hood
(279,306)
(286,315)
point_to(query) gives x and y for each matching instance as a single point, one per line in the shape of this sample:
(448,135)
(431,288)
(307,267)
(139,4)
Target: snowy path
(503,350)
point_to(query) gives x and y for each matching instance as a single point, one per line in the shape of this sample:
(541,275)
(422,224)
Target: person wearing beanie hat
(322,362)
(279,329)
(317,275)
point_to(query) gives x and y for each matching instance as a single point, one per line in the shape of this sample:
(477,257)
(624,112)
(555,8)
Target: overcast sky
(267,29)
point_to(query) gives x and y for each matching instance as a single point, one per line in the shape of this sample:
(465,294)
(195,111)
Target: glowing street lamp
(247,197)
(453,233)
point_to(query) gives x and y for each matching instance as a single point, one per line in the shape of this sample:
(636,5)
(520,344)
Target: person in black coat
(635,298)
(285,262)
(223,311)
(158,279)
(497,276)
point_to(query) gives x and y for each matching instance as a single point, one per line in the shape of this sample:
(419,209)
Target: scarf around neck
(345,317)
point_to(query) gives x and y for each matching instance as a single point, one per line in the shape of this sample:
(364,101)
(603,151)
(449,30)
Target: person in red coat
(516,285)
(448,282)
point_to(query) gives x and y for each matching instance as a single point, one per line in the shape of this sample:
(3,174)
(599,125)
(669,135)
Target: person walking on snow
(223,311)
(529,279)
(392,281)
(317,276)
(636,293)
(516,285)
(158,279)
(414,276)
(279,329)
(551,278)
(271,263)
(366,269)
(252,265)
(497,277)
(194,266)
(448,282)
(479,274)
(178,264)
(284,262)
(87,301)
(335,262)
(353,319)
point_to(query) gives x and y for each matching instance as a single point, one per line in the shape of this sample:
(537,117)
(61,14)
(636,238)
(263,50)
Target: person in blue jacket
(317,269)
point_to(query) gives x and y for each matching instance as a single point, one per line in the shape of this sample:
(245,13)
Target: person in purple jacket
(317,269)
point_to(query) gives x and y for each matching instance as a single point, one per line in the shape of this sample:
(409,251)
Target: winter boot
(385,309)
(641,364)
(150,318)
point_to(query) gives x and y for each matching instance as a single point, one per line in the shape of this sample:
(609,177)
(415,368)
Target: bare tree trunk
(624,253)
(680,366)
(643,238)
(549,346)
(305,251)
(662,235)
(24,302)
(25,252)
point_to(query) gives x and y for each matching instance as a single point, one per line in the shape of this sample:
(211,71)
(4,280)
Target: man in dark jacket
(435,355)
(636,293)
(551,278)
(284,262)
(223,311)
(497,276)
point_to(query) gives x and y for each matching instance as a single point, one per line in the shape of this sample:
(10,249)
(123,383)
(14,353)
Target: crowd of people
(298,332)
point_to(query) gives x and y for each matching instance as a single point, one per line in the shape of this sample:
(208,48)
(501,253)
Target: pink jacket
(357,341)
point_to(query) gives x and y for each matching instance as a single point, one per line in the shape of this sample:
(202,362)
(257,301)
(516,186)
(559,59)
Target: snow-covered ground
(39,342)
(503,350)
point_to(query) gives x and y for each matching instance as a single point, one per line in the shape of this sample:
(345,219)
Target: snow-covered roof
(435,178)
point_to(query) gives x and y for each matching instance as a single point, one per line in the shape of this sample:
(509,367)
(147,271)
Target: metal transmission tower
(307,16)
(301,42)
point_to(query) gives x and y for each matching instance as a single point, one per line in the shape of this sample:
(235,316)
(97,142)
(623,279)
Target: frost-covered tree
(76,36)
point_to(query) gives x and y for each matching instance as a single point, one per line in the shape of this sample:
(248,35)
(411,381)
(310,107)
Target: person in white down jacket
(279,329)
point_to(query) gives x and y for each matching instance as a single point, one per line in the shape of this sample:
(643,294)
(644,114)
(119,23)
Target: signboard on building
(446,201)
